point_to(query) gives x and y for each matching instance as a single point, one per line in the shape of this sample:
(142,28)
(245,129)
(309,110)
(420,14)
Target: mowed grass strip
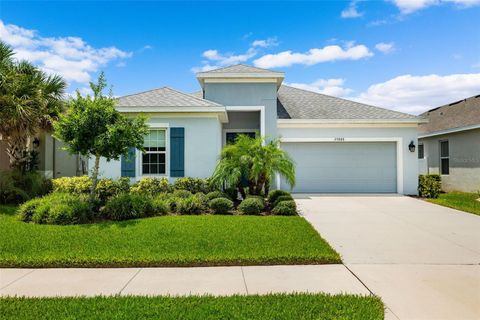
(278,306)
(205,240)
(463,201)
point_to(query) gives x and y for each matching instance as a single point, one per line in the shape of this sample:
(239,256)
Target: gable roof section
(461,114)
(240,73)
(294,103)
(164,97)
(240,68)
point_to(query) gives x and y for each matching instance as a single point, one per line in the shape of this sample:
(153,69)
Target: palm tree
(255,159)
(30,100)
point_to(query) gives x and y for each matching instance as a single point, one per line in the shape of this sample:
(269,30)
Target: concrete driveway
(422,259)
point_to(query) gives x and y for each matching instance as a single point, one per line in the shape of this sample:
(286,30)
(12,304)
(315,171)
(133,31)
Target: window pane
(420,151)
(154,139)
(445,166)
(161,168)
(444,149)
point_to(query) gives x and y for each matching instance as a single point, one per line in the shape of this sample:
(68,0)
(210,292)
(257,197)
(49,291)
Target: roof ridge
(192,96)
(239,64)
(145,91)
(351,101)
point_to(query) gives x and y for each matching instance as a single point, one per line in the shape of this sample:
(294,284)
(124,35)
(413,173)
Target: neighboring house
(337,145)
(449,144)
(53,161)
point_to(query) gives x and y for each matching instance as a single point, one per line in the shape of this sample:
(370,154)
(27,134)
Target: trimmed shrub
(182,194)
(221,205)
(57,208)
(26,210)
(128,206)
(285,208)
(160,206)
(429,186)
(194,185)
(107,188)
(260,198)
(151,186)
(274,194)
(251,206)
(280,199)
(190,205)
(73,185)
(217,194)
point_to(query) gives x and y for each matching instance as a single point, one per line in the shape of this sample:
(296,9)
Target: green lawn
(459,200)
(293,306)
(205,240)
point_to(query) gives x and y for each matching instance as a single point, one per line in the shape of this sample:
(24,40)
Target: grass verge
(459,200)
(206,240)
(277,306)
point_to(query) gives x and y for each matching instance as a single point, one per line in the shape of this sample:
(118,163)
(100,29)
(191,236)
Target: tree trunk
(94,178)
(267,186)
(260,183)
(241,189)
(16,147)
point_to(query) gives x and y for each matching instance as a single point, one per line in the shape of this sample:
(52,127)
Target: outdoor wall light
(411,146)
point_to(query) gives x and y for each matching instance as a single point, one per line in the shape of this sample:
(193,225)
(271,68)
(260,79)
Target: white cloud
(385,47)
(351,11)
(270,42)
(206,67)
(229,58)
(69,57)
(409,6)
(313,56)
(331,87)
(417,94)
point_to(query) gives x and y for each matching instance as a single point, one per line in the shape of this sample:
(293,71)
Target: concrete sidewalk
(332,279)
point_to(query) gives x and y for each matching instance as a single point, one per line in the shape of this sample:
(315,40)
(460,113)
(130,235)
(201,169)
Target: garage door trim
(398,141)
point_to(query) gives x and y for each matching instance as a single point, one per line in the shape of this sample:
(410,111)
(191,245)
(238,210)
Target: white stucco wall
(202,147)
(409,161)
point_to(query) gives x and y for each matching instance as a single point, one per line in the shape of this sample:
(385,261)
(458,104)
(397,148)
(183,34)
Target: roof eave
(448,131)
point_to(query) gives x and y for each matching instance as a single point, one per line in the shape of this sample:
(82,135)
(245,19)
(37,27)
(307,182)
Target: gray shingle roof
(164,97)
(454,115)
(294,103)
(240,68)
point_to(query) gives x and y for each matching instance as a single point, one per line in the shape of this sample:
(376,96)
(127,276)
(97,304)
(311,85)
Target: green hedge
(429,186)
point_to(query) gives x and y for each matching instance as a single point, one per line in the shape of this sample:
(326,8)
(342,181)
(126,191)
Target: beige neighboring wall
(464,154)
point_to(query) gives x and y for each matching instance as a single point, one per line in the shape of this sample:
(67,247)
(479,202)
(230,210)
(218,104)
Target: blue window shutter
(128,163)
(177,152)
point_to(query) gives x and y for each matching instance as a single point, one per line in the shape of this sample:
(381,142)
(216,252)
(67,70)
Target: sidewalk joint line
(26,274)
(244,281)
(366,287)
(130,280)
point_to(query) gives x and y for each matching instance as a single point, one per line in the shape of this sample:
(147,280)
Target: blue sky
(407,55)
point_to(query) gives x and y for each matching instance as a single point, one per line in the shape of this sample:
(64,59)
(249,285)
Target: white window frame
(139,162)
(423,146)
(443,157)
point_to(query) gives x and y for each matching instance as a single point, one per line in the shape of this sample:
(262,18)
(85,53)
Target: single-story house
(338,145)
(449,144)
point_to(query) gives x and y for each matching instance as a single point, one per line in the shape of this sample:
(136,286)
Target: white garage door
(343,167)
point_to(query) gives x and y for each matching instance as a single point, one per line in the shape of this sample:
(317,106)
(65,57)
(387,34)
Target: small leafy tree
(92,127)
(256,160)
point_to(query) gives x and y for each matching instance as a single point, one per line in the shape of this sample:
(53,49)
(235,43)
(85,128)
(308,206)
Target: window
(421,152)
(232,136)
(444,158)
(153,159)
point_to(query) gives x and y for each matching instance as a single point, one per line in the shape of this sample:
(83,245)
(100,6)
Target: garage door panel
(343,167)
